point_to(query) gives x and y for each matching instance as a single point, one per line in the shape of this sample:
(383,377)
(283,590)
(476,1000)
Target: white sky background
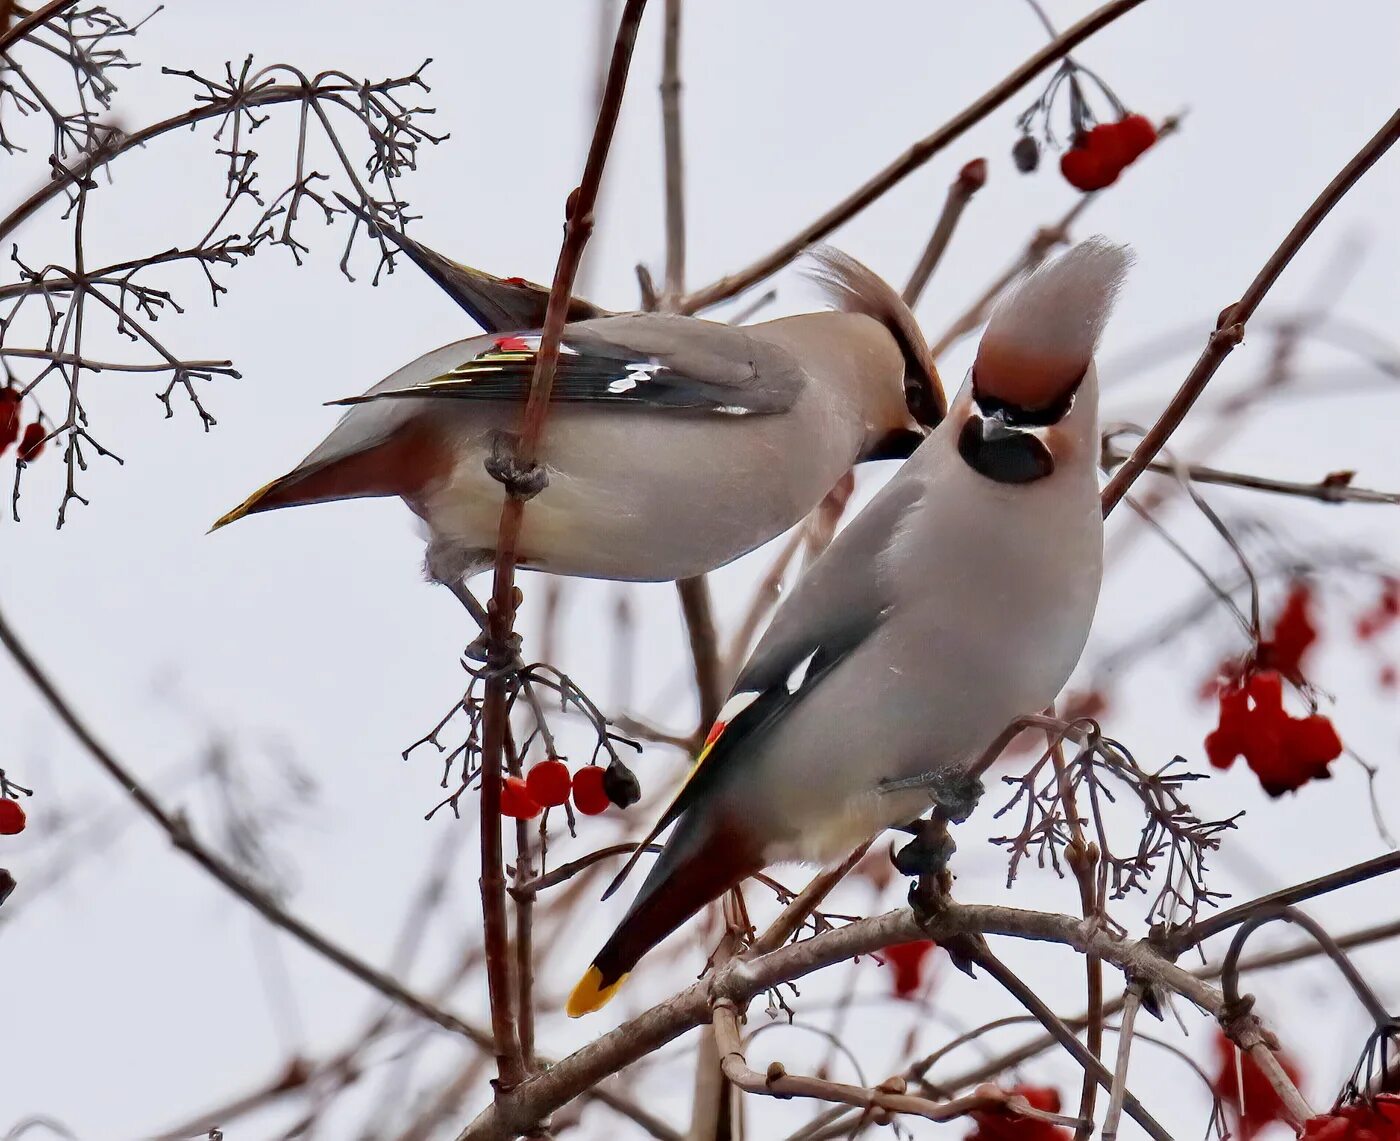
(133,993)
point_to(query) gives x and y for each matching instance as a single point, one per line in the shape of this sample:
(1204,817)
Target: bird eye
(1003,454)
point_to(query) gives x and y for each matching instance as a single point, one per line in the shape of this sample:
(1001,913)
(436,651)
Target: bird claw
(955,793)
(521,480)
(481,650)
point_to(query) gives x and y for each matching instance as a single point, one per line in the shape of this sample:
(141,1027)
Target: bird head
(1034,368)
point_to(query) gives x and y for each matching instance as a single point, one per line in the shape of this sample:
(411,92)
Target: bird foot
(481,650)
(521,480)
(956,793)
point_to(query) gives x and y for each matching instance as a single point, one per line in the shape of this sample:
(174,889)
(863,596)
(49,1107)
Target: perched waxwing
(957,601)
(675,445)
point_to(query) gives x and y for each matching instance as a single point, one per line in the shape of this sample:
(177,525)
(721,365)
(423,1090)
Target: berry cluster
(1003,1125)
(1100,154)
(1098,151)
(1283,751)
(1377,1120)
(31,443)
(549,784)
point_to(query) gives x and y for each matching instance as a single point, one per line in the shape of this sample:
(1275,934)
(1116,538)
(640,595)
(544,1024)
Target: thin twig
(1183,938)
(1335,488)
(969,181)
(578,227)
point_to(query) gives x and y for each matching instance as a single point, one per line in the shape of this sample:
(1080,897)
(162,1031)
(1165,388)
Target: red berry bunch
(1003,1125)
(908,961)
(1100,154)
(12,818)
(1283,751)
(1100,150)
(549,784)
(1377,1120)
(1260,1104)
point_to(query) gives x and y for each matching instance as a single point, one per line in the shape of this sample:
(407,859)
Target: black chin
(896,445)
(1003,454)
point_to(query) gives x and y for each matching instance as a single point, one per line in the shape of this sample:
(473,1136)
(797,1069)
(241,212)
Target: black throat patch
(999,441)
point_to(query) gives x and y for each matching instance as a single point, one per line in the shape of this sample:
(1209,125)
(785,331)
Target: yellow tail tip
(591,994)
(244,508)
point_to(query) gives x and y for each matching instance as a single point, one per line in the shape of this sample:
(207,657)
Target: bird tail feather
(694,870)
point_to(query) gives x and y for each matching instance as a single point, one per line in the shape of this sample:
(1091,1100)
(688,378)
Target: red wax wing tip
(31,447)
(512,344)
(516,281)
(549,782)
(516,800)
(716,730)
(907,959)
(1377,1120)
(590,797)
(1137,134)
(12,818)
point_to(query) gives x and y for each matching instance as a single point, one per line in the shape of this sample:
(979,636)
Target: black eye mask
(998,441)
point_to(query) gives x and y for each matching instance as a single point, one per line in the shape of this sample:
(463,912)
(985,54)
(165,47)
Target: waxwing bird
(957,601)
(675,445)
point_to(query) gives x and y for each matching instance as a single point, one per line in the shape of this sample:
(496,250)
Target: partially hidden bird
(675,444)
(959,600)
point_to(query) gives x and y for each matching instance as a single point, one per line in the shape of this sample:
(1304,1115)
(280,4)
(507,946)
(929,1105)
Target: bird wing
(837,605)
(655,361)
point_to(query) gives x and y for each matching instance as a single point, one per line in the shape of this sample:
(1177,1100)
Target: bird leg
(954,791)
(448,564)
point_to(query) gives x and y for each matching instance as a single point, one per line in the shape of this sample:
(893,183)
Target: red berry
(11,817)
(590,797)
(1088,170)
(1137,134)
(548,782)
(516,800)
(31,446)
(1107,139)
(907,959)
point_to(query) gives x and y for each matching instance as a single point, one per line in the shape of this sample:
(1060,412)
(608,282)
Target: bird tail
(854,288)
(400,463)
(696,868)
(497,304)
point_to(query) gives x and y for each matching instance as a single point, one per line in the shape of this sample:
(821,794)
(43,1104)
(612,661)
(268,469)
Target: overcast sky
(136,992)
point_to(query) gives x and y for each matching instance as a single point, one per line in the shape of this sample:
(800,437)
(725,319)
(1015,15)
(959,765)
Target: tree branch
(525,479)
